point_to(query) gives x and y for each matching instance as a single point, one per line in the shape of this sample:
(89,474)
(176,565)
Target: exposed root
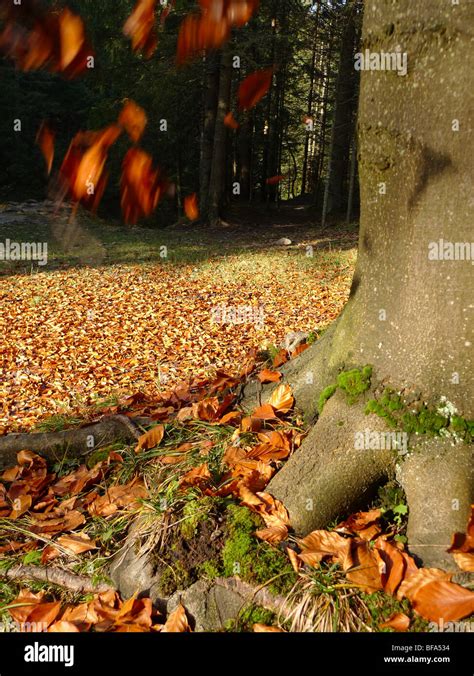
(75,442)
(77,583)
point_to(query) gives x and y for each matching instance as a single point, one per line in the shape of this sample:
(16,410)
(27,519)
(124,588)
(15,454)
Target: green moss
(381,606)
(354,383)
(173,578)
(254,561)
(249,616)
(195,512)
(426,420)
(325,395)
(210,569)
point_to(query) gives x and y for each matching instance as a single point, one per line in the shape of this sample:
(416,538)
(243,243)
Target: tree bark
(344,114)
(218,173)
(208,127)
(408,316)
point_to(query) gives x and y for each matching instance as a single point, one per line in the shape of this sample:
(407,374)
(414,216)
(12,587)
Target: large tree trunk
(408,316)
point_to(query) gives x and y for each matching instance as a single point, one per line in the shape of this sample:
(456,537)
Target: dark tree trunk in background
(245,155)
(409,316)
(304,180)
(218,165)
(208,126)
(344,115)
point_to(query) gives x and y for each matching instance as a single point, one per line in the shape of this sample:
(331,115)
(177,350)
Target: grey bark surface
(408,316)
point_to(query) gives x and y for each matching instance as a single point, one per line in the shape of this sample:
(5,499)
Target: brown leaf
(78,543)
(141,186)
(265,412)
(140,27)
(177,621)
(365,568)
(230,121)
(282,398)
(442,600)
(254,88)
(133,119)
(267,376)
(323,544)
(397,621)
(273,534)
(117,497)
(63,627)
(191,208)
(45,140)
(150,439)
(264,628)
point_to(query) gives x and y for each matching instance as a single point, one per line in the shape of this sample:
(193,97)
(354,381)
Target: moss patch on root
(440,420)
(353,383)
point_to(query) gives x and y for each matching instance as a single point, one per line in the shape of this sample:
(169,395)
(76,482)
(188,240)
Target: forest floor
(118,310)
(109,327)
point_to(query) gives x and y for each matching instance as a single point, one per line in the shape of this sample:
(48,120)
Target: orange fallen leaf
(462,546)
(322,544)
(177,621)
(365,567)
(150,439)
(282,398)
(267,376)
(264,628)
(397,621)
(77,543)
(265,412)
(443,600)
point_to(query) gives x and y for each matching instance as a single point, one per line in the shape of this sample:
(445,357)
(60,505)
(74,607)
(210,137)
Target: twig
(59,576)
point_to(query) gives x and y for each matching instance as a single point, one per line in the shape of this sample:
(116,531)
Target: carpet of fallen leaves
(73,336)
(57,510)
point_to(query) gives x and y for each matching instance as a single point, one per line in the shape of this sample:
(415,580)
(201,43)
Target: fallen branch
(73,443)
(59,576)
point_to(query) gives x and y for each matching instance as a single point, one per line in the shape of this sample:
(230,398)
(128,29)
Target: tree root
(438,479)
(74,442)
(307,376)
(63,578)
(328,477)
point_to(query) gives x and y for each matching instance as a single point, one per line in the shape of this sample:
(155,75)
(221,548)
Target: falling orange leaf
(133,119)
(254,88)
(230,121)
(142,187)
(140,27)
(273,180)
(45,140)
(191,208)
